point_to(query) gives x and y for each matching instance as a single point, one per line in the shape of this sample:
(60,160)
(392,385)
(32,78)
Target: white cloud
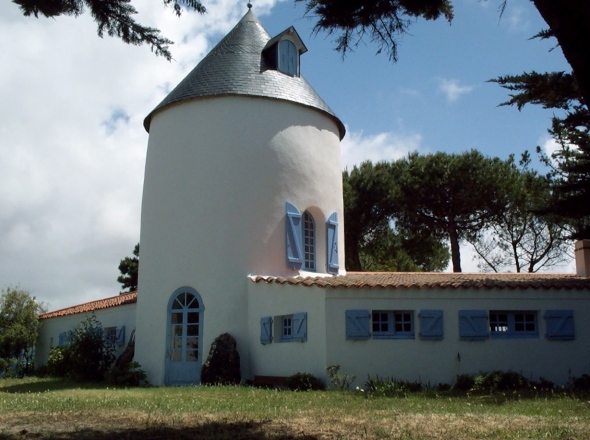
(73,145)
(358,147)
(452,89)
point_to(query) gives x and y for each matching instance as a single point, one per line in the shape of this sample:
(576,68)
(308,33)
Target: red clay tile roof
(430,280)
(119,300)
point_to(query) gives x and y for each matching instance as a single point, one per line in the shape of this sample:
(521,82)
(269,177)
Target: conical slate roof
(236,67)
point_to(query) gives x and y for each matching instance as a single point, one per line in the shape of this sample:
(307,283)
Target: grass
(57,409)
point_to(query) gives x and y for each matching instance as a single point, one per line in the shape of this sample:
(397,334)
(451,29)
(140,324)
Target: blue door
(184,338)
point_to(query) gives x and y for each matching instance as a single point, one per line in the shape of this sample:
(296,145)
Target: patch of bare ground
(138,425)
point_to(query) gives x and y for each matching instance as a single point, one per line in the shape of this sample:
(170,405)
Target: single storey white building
(241,232)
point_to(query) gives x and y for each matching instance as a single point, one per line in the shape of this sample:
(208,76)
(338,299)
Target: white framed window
(309,242)
(110,334)
(288,328)
(393,324)
(513,324)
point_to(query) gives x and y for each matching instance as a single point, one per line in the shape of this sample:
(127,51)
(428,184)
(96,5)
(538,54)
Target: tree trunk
(455,250)
(569,20)
(352,257)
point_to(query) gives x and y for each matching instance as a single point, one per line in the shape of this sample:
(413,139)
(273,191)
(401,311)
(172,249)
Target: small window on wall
(394,324)
(115,335)
(513,324)
(291,328)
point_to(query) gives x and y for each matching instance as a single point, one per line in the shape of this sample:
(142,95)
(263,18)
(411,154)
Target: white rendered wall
(52,327)
(218,174)
(436,361)
(287,358)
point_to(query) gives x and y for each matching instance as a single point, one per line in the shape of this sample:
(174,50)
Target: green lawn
(56,409)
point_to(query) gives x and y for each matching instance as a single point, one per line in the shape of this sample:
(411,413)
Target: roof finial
(249,5)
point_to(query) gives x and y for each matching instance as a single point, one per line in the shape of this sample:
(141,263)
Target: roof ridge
(113,301)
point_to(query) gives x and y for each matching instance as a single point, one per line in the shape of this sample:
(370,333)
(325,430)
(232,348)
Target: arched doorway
(184,339)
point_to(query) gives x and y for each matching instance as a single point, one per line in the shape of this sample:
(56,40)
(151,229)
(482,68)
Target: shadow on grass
(207,431)
(40,386)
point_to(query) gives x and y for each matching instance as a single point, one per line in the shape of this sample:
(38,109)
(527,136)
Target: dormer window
(288,58)
(282,52)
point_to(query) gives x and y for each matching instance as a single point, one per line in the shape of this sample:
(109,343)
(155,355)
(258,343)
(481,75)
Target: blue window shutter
(300,327)
(63,339)
(473,325)
(431,324)
(120,338)
(266,330)
(294,237)
(332,243)
(358,324)
(560,325)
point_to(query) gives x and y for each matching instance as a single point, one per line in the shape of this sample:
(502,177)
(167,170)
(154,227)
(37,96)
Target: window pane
(192,355)
(176,356)
(176,318)
(192,342)
(193,318)
(177,330)
(176,342)
(192,330)
(191,301)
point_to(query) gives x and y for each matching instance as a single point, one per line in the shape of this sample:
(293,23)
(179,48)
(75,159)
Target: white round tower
(243,177)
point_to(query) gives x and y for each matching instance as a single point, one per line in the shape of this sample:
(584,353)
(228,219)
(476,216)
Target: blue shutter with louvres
(431,324)
(560,325)
(266,330)
(120,336)
(473,325)
(358,324)
(300,327)
(294,237)
(332,243)
(63,339)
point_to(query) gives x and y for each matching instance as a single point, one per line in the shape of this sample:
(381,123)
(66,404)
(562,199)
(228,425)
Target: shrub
(58,364)
(391,387)
(86,357)
(341,381)
(501,381)
(304,382)
(130,375)
(581,383)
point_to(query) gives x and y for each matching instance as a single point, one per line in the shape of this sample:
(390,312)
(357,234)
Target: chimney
(582,258)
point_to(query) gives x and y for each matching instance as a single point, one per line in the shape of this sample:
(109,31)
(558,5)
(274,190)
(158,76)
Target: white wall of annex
(433,362)
(52,327)
(218,174)
(287,358)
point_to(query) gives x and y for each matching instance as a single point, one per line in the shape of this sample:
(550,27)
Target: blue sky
(73,145)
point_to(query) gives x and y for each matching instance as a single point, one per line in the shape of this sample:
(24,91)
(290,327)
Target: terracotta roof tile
(430,280)
(119,300)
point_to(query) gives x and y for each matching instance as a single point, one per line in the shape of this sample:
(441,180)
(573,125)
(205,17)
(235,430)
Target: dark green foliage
(304,382)
(437,197)
(129,267)
(115,17)
(520,239)
(495,381)
(130,375)
(381,21)
(19,327)
(373,242)
(391,387)
(341,381)
(86,357)
(571,163)
(581,383)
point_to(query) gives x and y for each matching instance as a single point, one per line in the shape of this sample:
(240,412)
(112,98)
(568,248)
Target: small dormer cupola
(283,51)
